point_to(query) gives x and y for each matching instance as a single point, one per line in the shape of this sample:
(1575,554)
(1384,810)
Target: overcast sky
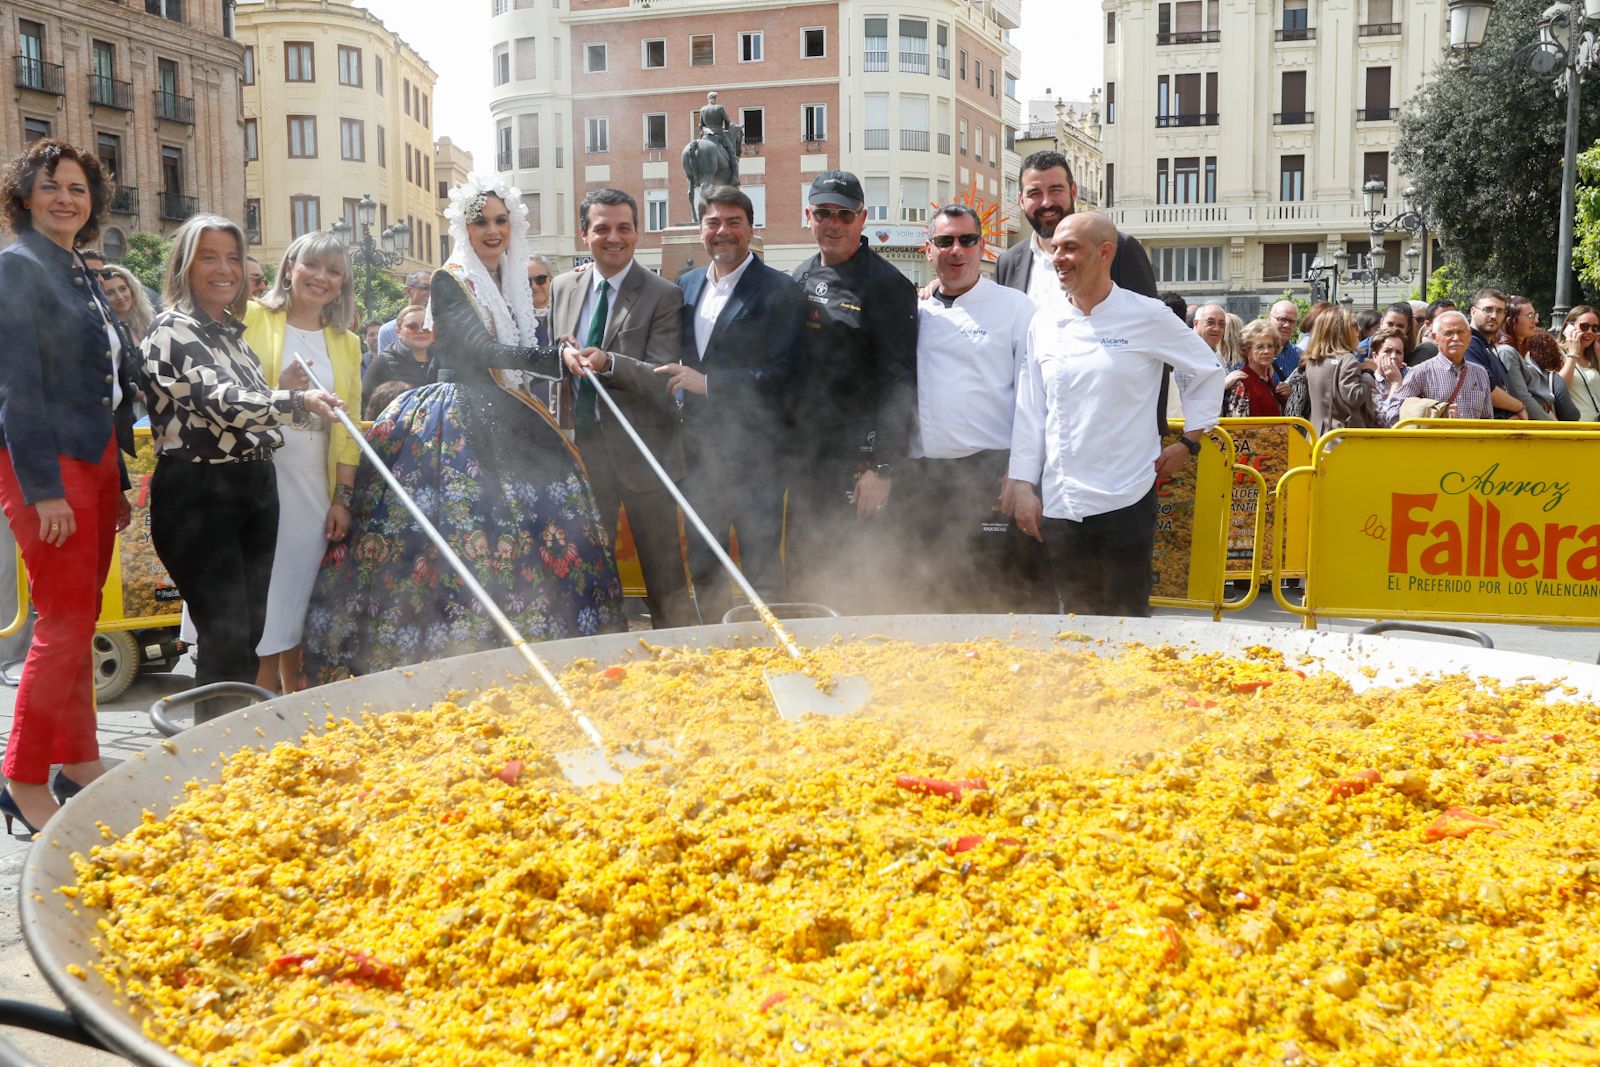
(1060,52)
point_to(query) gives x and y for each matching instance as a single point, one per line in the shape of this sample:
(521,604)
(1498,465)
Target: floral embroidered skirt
(499,482)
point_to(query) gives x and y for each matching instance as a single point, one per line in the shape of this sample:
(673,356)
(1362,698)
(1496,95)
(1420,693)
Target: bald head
(1085,244)
(1091,227)
(1285,315)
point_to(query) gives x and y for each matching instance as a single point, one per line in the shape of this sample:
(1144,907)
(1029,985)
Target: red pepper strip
(965,843)
(1299,672)
(1559,739)
(773,1001)
(1251,687)
(1191,702)
(453,815)
(1458,822)
(1245,900)
(510,772)
(1174,949)
(1353,786)
(1477,737)
(614,674)
(939,787)
(366,969)
(292,961)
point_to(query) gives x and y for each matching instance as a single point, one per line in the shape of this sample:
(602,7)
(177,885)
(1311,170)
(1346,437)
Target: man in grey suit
(628,320)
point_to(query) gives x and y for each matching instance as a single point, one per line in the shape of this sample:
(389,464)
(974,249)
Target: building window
(167,9)
(502,64)
(249,64)
(1296,19)
(594,58)
(599,134)
(1111,185)
(498,7)
(1011,86)
(814,122)
(252,143)
(1292,178)
(299,61)
(751,47)
(941,51)
(502,145)
(377,74)
(527,58)
(383,152)
(913,46)
(655,131)
(352,206)
(427,111)
(977,71)
(655,53)
(875,115)
(1202,263)
(1375,167)
(702,50)
(1377,108)
(34,130)
(758,200)
(252,221)
(108,146)
(877,192)
(914,200)
(405,94)
(1111,103)
(994,157)
(349,66)
(305,214)
(1111,27)
(353,140)
(1287,262)
(302,136)
(754,121)
(876,56)
(977,143)
(655,210)
(813,43)
(914,123)
(963,67)
(961,138)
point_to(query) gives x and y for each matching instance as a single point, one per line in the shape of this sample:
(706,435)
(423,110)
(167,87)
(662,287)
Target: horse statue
(706,165)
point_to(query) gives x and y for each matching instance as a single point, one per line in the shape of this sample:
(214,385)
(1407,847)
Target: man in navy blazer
(742,352)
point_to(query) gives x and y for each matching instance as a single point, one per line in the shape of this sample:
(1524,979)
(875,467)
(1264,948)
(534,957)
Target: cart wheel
(116,664)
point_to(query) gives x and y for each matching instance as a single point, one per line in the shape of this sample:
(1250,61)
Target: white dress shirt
(1082,428)
(1044,288)
(968,358)
(714,296)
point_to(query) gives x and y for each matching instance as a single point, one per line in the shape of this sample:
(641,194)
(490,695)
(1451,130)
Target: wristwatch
(882,470)
(1192,445)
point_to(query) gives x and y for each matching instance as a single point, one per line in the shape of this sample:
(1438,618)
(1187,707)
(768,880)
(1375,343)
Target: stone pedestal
(681,250)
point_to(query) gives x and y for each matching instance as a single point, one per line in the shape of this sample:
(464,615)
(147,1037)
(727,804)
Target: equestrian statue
(713,158)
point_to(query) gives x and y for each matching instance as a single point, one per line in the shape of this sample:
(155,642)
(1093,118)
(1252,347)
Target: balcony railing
(1377,114)
(944,144)
(875,61)
(1164,122)
(108,92)
(913,62)
(942,66)
(125,200)
(1293,118)
(40,76)
(175,207)
(502,161)
(875,140)
(174,108)
(528,158)
(914,140)
(1298,33)
(1379,29)
(1189,37)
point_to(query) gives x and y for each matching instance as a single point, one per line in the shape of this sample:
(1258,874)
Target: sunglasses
(106,275)
(845,215)
(945,240)
(539,279)
(416,329)
(1586,327)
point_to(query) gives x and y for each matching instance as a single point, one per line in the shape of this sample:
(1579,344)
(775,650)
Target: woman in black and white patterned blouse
(215,419)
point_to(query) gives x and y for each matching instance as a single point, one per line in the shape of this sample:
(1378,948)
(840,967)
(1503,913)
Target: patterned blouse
(208,400)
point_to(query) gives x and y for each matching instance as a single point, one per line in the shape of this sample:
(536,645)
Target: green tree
(1586,233)
(1483,147)
(388,294)
(146,257)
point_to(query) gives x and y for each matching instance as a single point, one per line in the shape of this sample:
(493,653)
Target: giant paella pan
(1045,840)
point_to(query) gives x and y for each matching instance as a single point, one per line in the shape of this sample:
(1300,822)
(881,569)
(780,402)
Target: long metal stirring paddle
(793,692)
(599,767)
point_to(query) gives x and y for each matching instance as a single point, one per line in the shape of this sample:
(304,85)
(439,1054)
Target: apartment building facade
(451,165)
(917,98)
(151,87)
(1073,129)
(1238,137)
(336,107)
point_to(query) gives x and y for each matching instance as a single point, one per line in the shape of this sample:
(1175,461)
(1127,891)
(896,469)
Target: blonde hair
(140,314)
(176,292)
(1333,334)
(1260,330)
(1231,347)
(318,244)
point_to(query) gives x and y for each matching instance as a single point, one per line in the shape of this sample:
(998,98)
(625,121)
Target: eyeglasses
(539,279)
(845,215)
(105,274)
(416,329)
(1490,309)
(945,240)
(1586,327)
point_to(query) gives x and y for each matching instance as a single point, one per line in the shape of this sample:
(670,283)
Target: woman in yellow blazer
(304,315)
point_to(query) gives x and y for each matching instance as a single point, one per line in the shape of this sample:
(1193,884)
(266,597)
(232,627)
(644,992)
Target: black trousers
(832,557)
(215,528)
(752,503)
(653,521)
(1102,565)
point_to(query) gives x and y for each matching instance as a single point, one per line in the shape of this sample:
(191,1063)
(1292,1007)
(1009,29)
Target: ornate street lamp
(388,252)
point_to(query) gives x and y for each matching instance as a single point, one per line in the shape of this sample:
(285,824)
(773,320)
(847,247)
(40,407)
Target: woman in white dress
(303,316)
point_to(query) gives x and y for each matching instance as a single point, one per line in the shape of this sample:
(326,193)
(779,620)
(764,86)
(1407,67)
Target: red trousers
(55,716)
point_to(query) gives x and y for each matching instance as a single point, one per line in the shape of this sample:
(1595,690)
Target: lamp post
(1568,47)
(1409,220)
(366,253)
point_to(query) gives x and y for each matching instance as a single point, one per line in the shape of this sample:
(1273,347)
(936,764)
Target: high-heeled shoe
(63,788)
(8,808)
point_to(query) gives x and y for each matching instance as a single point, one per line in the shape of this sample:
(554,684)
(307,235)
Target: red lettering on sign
(1523,551)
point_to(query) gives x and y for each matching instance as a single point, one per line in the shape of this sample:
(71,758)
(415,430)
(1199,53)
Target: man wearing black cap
(418,283)
(854,418)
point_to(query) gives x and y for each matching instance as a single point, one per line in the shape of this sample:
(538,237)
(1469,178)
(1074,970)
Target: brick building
(152,88)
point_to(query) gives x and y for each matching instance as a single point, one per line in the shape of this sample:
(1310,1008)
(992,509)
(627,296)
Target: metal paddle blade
(590,766)
(798,695)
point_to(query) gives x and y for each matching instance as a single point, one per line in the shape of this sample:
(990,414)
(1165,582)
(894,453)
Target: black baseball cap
(837,187)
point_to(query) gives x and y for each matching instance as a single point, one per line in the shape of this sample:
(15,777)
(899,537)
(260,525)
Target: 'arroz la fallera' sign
(1451,525)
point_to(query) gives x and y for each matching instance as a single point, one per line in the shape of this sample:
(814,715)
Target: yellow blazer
(264,331)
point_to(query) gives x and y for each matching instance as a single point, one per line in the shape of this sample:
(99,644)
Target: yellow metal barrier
(1271,447)
(1191,543)
(1502,425)
(1457,525)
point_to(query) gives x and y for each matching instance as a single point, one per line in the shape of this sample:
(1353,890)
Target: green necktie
(584,415)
